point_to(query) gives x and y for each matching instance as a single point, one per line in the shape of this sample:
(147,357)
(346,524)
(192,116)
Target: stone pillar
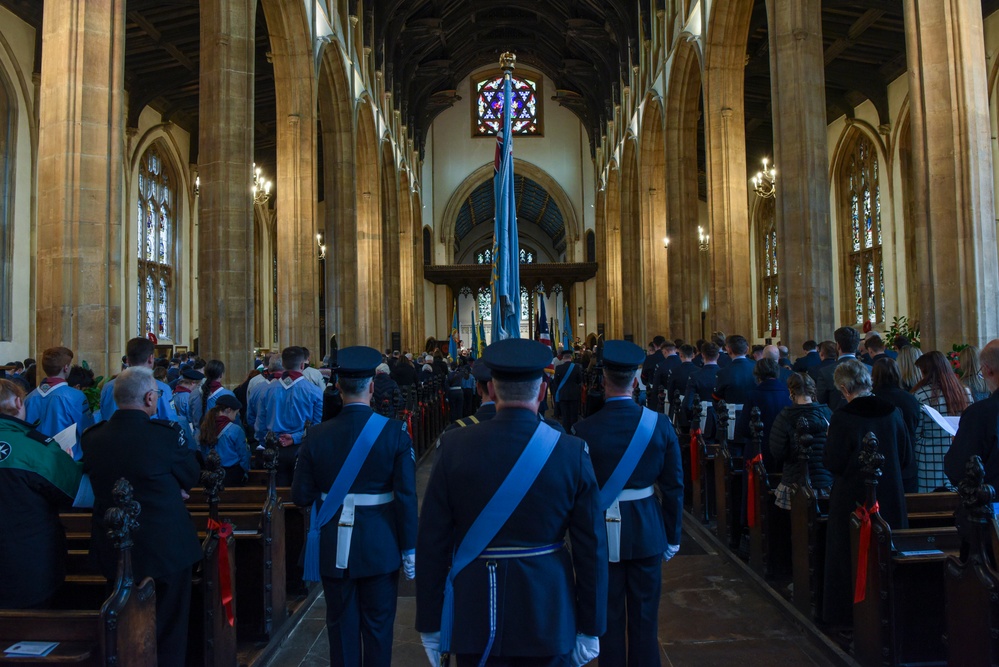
(952,189)
(225,251)
(80,165)
(801,157)
(295,88)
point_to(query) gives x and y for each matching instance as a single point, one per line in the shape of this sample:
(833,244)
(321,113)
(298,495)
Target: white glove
(587,648)
(409,564)
(432,645)
(671,550)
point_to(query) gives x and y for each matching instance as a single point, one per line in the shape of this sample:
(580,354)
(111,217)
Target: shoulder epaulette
(470,420)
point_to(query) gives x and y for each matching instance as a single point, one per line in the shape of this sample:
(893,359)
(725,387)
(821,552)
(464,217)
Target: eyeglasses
(158,392)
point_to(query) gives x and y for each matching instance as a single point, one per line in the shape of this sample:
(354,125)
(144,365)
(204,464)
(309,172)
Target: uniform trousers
(470,660)
(173,606)
(568,414)
(360,615)
(287,456)
(633,588)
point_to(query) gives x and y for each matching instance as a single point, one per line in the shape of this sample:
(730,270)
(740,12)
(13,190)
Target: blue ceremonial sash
(565,378)
(341,486)
(639,442)
(496,513)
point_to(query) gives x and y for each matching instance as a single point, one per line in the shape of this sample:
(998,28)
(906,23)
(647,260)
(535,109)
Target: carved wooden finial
(976,496)
(721,417)
(270,454)
(696,414)
(508,61)
(213,476)
(872,462)
(802,440)
(121,519)
(755,423)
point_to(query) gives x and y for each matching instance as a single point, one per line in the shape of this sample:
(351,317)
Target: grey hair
(523,391)
(620,380)
(132,385)
(354,386)
(853,377)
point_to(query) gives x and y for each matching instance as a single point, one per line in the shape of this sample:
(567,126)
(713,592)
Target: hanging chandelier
(765,182)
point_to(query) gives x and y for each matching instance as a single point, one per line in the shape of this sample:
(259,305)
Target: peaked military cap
(517,359)
(481,372)
(358,361)
(228,401)
(191,374)
(620,355)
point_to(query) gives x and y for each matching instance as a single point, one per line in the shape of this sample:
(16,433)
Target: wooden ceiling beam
(138,19)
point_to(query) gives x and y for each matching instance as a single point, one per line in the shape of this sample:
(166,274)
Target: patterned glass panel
(858,288)
(156,246)
(525,304)
(485,304)
(489,106)
(773,249)
(872,307)
(881,285)
(767,245)
(855,221)
(863,207)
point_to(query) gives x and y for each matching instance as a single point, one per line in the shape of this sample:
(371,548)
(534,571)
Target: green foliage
(901,326)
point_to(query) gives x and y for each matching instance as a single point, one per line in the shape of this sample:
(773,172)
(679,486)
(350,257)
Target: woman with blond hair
(970,371)
(909,373)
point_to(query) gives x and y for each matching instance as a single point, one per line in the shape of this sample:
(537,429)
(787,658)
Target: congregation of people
(540,539)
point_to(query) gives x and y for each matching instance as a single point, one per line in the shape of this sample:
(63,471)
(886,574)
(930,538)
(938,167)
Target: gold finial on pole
(508,61)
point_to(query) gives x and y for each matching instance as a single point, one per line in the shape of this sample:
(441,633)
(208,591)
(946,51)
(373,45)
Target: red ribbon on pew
(225,582)
(864,515)
(409,423)
(695,461)
(750,485)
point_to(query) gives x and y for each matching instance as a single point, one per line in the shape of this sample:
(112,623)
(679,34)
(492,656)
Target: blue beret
(517,359)
(358,361)
(620,355)
(193,375)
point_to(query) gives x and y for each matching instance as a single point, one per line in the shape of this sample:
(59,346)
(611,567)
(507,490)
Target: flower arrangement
(902,326)
(93,392)
(954,356)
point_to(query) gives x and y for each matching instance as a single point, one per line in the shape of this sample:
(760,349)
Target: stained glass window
(862,203)
(766,241)
(485,299)
(156,246)
(525,305)
(526,104)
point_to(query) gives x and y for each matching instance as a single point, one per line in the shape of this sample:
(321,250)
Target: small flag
(567,327)
(543,334)
(474,352)
(452,346)
(505,281)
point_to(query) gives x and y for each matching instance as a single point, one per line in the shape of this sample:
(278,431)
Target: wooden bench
(900,619)
(122,632)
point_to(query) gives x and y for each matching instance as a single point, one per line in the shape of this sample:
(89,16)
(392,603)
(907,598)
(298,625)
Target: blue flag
(473,353)
(566,327)
(452,346)
(544,336)
(505,281)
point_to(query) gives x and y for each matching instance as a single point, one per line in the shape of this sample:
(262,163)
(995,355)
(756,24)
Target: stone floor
(712,612)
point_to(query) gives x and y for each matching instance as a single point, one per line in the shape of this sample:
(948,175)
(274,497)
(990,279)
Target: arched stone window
(8,139)
(766,262)
(158,245)
(860,206)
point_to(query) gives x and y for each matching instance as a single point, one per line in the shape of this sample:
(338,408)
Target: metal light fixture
(321,247)
(765,182)
(702,239)
(261,188)
(666,242)
(197,186)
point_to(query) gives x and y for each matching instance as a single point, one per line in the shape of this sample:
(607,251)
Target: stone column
(801,157)
(952,188)
(295,88)
(80,165)
(225,251)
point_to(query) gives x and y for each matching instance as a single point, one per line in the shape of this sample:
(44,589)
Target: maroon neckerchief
(221,421)
(213,385)
(181,389)
(294,375)
(53,381)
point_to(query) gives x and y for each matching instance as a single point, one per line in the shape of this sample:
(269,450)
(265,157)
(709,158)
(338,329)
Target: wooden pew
(809,512)
(698,456)
(900,620)
(972,581)
(683,436)
(723,474)
(764,541)
(122,632)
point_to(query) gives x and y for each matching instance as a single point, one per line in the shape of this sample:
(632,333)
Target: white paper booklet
(66,438)
(948,424)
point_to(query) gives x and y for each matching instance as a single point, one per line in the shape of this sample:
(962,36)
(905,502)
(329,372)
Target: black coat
(544,600)
(381,532)
(404,373)
(825,385)
(735,381)
(803,363)
(387,399)
(782,435)
(912,411)
(847,429)
(572,390)
(770,397)
(978,434)
(151,454)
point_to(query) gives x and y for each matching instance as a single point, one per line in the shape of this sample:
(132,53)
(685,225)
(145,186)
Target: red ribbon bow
(225,582)
(695,461)
(750,485)
(864,515)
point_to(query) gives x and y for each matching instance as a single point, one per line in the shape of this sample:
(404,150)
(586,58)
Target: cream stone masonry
(952,190)
(81,118)
(225,253)
(805,279)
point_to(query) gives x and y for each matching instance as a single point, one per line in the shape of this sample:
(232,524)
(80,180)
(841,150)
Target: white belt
(345,528)
(612,520)
(733,410)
